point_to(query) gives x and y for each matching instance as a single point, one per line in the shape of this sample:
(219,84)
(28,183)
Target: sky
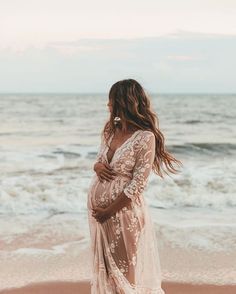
(85,46)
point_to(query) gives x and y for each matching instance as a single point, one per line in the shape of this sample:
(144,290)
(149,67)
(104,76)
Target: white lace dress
(124,253)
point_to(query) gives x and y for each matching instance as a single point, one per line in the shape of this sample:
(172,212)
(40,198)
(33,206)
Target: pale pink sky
(84,46)
(31,22)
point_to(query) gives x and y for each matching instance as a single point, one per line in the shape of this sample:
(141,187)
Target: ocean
(48,143)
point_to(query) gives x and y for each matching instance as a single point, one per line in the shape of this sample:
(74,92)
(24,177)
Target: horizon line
(106,93)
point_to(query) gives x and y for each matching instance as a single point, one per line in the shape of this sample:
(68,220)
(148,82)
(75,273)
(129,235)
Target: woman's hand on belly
(101,214)
(104,172)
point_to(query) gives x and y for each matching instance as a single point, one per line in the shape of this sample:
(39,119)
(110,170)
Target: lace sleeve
(143,166)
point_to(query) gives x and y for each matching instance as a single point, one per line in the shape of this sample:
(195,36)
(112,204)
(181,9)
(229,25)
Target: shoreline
(52,250)
(68,287)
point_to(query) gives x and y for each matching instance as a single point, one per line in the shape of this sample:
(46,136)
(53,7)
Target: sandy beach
(83,287)
(60,264)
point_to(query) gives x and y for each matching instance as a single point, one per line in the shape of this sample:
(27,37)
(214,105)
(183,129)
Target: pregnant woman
(124,251)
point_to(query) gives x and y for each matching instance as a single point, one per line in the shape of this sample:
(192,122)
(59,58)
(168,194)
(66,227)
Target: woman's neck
(129,130)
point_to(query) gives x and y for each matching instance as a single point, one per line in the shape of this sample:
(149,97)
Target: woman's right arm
(102,169)
(95,166)
(100,150)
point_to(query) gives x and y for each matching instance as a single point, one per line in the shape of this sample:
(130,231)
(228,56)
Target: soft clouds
(31,22)
(182,57)
(179,62)
(192,49)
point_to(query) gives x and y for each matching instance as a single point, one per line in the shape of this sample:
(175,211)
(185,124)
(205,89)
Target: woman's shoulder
(144,140)
(147,134)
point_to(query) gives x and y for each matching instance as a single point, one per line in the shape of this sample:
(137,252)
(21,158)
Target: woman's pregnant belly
(102,194)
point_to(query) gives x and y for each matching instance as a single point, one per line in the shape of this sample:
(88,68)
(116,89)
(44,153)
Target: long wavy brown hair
(130,102)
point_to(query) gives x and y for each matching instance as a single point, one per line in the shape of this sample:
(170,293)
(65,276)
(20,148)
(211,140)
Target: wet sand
(40,262)
(83,287)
